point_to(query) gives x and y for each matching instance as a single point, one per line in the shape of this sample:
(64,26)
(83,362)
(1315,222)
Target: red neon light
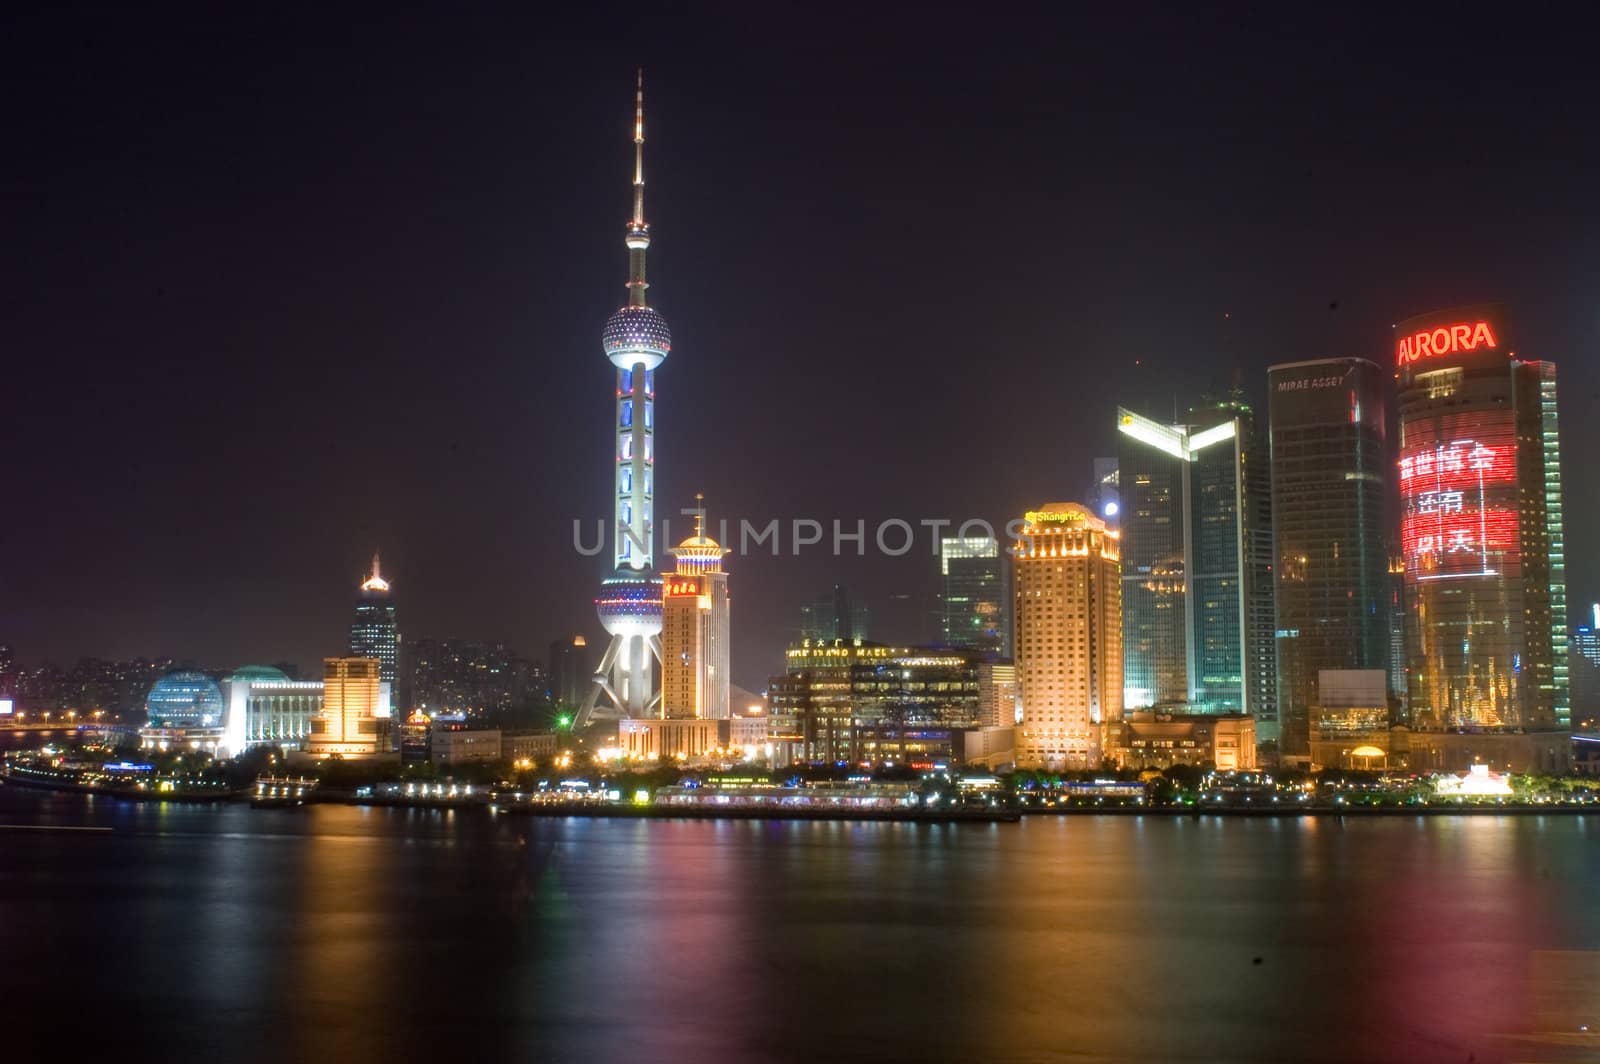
(1445,340)
(1455,464)
(682,587)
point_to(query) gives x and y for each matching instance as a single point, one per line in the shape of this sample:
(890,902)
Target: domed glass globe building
(184,700)
(184,711)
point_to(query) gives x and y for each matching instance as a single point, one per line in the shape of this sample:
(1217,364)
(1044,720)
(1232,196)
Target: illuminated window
(627,415)
(627,381)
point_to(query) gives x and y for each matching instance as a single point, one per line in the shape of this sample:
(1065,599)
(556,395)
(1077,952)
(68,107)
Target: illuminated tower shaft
(636,340)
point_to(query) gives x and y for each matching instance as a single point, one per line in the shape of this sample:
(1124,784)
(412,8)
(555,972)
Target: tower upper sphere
(636,334)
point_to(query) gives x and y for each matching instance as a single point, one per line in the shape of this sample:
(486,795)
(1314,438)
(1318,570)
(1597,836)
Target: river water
(349,934)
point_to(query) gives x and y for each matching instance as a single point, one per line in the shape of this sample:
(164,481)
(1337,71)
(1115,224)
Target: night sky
(283,289)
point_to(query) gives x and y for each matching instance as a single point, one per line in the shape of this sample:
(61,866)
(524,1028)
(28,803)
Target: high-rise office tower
(637,341)
(974,595)
(374,632)
(1151,479)
(1584,675)
(570,675)
(348,725)
(1481,531)
(1067,596)
(1197,563)
(1329,466)
(695,631)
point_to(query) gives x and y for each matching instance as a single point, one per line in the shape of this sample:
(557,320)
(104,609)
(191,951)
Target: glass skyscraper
(1197,550)
(974,595)
(1329,471)
(1150,478)
(373,632)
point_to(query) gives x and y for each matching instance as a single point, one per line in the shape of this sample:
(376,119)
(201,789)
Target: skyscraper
(695,631)
(570,676)
(1151,479)
(1481,532)
(637,341)
(373,632)
(1197,575)
(1068,611)
(835,617)
(1329,467)
(974,595)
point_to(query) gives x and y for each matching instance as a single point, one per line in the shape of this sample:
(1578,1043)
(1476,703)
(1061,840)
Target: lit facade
(695,632)
(1195,510)
(857,701)
(1350,727)
(374,632)
(997,694)
(1068,617)
(349,725)
(1481,533)
(1329,474)
(184,711)
(266,708)
(974,595)
(636,340)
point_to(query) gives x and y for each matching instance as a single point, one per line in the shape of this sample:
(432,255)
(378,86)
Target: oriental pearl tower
(636,340)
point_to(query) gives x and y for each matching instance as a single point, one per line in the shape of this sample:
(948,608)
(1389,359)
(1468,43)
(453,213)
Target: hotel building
(1068,613)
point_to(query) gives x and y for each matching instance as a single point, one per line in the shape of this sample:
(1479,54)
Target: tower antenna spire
(699,514)
(638,230)
(638,151)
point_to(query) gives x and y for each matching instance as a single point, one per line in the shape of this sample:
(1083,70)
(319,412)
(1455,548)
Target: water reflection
(351,934)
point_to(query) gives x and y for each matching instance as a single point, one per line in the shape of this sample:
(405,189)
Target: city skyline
(499,373)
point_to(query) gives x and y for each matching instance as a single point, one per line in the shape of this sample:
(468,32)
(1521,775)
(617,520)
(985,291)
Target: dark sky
(281,289)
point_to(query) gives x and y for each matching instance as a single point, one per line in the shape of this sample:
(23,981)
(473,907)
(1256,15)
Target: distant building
(569,671)
(1398,686)
(1330,469)
(1482,535)
(374,632)
(449,676)
(1585,672)
(833,618)
(459,743)
(1068,615)
(527,746)
(349,725)
(1106,496)
(416,734)
(998,694)
(974,595)
(654,738)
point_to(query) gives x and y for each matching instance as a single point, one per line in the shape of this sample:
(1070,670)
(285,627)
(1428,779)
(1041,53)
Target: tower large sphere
(630,604)
(635,335)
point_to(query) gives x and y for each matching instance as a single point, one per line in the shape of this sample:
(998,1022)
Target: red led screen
(1458,491)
